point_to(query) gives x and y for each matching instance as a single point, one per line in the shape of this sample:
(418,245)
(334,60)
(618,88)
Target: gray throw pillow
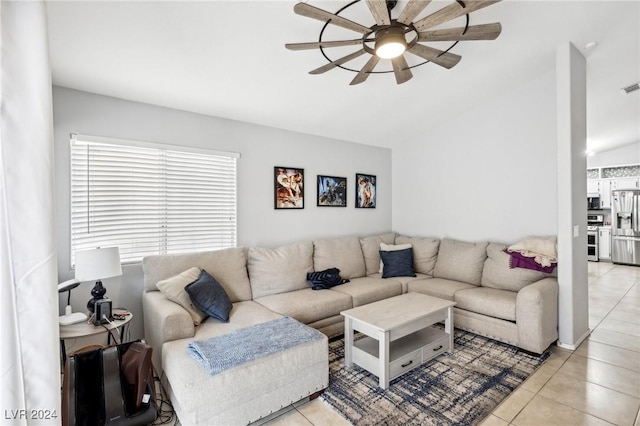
(208,295)
(397,263)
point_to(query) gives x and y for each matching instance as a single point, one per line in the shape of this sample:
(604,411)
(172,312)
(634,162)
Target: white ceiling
(227,59)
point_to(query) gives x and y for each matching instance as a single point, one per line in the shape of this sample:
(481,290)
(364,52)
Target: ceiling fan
(391,38)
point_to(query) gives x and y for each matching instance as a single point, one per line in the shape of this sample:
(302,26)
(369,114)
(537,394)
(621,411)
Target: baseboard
(574,346)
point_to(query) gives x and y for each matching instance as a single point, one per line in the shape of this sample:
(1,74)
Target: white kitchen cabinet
(605,193)
(604,243)
(593,186)
(624,183)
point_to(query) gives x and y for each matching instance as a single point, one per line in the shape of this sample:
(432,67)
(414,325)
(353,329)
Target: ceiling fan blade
(332,65)
(365,71)
(309,11)
(474,32)
(451,12)
(444,59)
(411,10)
(317,44)
(379,11)
(401,69)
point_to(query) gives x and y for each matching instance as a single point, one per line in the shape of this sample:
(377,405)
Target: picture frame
(332,191)
(366,191)
(288,187)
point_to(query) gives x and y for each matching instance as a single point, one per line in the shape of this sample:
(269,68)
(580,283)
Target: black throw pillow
(209,296)
(398,263)
(322,280)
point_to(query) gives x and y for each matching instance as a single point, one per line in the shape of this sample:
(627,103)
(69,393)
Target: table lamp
(97,264)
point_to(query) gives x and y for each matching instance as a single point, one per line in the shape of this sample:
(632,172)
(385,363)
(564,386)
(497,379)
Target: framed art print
(332,191)
(288,187)
(365,191)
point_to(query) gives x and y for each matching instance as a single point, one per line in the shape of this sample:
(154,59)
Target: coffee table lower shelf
(405,353)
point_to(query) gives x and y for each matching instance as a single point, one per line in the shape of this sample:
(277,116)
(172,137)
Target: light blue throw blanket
(220,353)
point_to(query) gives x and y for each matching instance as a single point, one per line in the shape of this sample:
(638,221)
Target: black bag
(322,280)
(109,386)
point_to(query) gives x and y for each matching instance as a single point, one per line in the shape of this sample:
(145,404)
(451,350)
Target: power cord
(165,412)
(104,317)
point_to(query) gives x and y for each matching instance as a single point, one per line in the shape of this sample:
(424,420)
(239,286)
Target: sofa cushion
(371,250)
(367,290)
(498,274)
(397,263)
(425,252)
(460,261)
(229,266)
(342,253)
(243,314)
(279,270)
(173,289)
(403,280)
(488,301)
(307,305)
(438,287)
(208,295)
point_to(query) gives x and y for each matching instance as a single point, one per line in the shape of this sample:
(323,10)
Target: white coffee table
(400,336)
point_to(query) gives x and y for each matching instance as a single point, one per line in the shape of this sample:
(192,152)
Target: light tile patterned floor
(598,384)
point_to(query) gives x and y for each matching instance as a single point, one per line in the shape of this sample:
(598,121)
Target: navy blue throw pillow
(398,263)
(322,280)
(209,296)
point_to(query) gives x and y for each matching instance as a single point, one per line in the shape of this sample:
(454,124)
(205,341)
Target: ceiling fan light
(390,50)
(390,43)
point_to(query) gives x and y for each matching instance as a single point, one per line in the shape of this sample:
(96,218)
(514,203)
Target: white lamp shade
(98,263)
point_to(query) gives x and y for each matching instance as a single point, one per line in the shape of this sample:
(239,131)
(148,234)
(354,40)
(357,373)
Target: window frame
(129,144)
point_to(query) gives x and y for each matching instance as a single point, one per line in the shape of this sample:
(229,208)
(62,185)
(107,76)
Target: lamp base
(73,318)
(98,292)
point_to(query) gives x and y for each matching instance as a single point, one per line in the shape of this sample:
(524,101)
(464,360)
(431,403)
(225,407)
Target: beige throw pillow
(173,289)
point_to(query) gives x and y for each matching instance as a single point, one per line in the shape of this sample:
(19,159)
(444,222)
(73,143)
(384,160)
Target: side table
(84,329)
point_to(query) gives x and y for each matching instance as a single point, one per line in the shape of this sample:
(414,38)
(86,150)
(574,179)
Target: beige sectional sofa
(516,306)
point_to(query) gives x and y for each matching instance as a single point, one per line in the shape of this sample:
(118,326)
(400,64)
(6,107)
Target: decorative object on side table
(97,264)
(69,316)
(332,191)
(366,189)
(288,188)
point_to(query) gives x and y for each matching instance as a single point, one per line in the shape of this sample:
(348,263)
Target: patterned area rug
(457,389)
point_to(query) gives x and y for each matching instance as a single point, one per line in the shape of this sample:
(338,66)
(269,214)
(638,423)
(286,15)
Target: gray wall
(261,149)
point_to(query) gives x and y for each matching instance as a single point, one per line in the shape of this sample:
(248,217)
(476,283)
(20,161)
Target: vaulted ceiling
(227,59)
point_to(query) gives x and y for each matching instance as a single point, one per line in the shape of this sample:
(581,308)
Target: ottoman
(247,392)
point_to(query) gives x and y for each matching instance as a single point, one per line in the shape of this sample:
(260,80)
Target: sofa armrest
(164,321)
(537,315)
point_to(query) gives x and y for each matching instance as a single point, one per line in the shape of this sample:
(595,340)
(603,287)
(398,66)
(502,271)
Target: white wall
(488,173)
(261,149)
(573,300)
(622,155)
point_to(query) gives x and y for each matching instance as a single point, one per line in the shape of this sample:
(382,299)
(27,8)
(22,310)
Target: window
(150,198)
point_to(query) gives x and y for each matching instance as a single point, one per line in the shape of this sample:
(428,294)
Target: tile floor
(598,384)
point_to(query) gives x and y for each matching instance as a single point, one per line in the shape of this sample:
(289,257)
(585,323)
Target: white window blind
(150,198)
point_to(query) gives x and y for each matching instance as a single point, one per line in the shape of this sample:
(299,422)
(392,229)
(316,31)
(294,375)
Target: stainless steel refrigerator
(625,226)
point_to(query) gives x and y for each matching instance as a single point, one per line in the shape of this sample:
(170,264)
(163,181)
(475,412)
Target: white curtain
(29,345)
